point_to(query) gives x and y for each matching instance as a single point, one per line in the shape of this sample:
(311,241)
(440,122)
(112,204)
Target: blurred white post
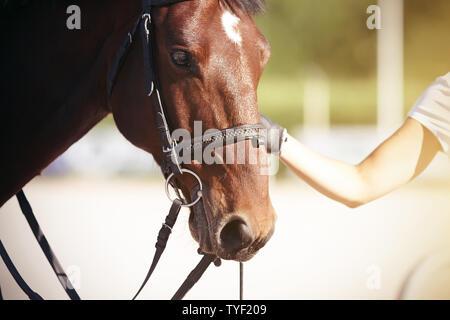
(316,100)
(390,65)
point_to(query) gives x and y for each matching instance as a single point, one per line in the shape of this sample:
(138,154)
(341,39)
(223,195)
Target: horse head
(209,57)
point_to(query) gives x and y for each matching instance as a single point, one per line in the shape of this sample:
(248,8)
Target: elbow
(353,204)
(351,200)
(361,191)
(357,200)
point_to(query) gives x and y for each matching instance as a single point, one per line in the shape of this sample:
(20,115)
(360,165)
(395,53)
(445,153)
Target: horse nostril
(236,235)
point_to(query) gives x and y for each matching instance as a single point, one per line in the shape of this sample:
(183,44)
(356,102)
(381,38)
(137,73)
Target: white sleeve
(432,110)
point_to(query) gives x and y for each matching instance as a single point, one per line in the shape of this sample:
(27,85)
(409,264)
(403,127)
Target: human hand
(276,135)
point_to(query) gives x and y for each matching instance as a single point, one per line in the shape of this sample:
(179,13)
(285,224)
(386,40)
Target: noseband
(171,166)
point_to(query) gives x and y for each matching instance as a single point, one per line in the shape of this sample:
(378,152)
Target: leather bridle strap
(45,246)
(194,276)
(32,295)
(170,163)
(225,137)
(163,236)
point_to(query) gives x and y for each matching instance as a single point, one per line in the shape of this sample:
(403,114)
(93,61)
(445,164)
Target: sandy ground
(104,230)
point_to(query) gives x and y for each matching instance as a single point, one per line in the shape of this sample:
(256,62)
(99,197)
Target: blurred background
(332,36)
(338,86)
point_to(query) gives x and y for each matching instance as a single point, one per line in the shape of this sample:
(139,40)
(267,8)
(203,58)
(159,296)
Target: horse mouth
(205,229)
(200,230)
(246,253)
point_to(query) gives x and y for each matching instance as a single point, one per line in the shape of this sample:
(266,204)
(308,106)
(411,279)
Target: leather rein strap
(32,295)
(49,254)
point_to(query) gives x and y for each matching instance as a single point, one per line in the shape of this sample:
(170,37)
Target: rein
(171,168)
(163,236)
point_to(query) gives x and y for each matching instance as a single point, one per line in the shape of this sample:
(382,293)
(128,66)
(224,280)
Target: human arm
(397,160)
(393,163)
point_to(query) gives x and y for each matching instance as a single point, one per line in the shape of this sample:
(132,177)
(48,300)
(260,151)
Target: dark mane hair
(252,7)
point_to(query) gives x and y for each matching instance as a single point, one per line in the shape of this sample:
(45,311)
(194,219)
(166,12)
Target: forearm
(335,179)
(397,160)
(393,163)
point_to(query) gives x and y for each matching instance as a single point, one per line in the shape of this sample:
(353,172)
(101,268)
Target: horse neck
(54,88)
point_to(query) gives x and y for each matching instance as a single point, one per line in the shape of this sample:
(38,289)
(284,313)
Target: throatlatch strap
(163,236)
(194,276)
(32,295)
(45,246)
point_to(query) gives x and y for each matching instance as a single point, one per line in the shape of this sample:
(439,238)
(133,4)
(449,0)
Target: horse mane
(14,7)
(252,7)
(15,3)
(10,6)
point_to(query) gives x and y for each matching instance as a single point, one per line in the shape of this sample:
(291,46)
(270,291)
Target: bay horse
(209,56)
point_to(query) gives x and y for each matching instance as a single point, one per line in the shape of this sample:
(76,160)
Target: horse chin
(242,256)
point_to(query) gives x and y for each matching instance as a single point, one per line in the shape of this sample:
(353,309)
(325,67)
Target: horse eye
(181,58)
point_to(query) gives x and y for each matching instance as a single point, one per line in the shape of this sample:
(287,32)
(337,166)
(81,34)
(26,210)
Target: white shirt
(432,110)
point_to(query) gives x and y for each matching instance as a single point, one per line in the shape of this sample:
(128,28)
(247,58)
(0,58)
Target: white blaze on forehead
(230,23)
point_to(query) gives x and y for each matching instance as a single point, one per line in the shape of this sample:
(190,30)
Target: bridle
(171,167)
